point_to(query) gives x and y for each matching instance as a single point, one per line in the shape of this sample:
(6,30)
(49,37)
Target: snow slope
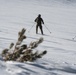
(59,16)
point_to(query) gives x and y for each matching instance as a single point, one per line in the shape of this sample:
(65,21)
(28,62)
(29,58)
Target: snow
(59,17)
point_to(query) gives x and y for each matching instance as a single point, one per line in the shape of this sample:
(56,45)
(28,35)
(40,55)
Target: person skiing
(39,22)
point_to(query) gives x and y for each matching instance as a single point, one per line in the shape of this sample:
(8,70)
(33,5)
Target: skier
(39,22)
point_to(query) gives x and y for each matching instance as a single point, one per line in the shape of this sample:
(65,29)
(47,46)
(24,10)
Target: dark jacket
(39,21)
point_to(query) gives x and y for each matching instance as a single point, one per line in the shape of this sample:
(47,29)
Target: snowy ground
(59,16)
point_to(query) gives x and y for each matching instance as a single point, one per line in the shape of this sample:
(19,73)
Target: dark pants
(40,29)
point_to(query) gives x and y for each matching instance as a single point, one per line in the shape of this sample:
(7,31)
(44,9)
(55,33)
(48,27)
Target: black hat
(39,15)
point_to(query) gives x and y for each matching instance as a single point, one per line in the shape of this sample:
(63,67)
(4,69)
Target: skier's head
(39,15)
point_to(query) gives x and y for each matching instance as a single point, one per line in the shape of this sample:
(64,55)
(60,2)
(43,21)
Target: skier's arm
(35,20)
(42,21)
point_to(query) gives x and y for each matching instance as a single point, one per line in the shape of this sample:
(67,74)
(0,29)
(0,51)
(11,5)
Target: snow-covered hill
(60,18)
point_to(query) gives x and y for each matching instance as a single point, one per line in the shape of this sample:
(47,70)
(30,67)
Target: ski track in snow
(59,16)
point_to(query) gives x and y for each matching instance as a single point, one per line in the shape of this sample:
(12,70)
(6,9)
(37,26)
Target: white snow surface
(59,17)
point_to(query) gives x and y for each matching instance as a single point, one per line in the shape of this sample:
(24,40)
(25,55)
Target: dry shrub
(23,52)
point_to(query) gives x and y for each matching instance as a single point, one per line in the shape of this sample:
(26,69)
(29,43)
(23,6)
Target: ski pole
(30,28)
(47,28)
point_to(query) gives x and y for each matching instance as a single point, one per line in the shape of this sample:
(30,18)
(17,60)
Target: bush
(22,53)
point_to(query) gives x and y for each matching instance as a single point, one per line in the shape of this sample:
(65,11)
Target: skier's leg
(41,30)
(36,29)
